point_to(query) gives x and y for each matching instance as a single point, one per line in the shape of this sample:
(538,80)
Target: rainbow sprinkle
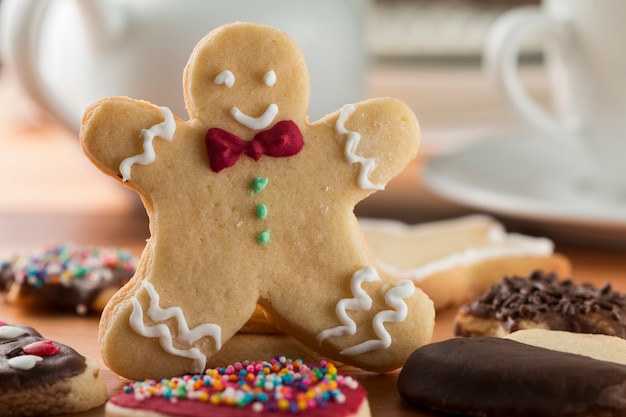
(62,264)
(280,384)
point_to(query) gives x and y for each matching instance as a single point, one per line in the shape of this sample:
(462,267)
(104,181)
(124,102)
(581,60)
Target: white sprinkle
(9,332)
(24,362)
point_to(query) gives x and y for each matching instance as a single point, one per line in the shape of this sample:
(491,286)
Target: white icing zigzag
(352,142)
(361,301)
(161,331)
(394,298)
(165,130)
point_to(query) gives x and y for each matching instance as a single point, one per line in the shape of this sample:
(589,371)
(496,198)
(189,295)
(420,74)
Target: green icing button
(264,237)
(258,184)
(261,211)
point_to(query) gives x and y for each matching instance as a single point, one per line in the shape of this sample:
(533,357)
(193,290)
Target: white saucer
(532,180)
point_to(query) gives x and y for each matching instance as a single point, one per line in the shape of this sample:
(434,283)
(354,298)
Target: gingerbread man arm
(113,147)
(379,138)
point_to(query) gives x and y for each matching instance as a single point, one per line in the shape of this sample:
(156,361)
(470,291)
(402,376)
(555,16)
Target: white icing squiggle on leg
(165,130)
(361,301)
(352,142)
(394,298)
(162,332)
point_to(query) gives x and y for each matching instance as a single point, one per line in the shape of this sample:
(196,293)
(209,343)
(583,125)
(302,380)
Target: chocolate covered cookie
(40,377)
(493,377)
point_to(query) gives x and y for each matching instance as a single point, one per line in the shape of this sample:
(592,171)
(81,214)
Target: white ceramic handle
(21,23)
(21,36)
(500,60)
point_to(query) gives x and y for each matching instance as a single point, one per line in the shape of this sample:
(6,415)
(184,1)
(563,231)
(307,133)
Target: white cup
(69,53)
(585,59)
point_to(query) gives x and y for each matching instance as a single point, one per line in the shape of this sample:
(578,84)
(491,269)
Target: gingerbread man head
(223,84)
(251,205)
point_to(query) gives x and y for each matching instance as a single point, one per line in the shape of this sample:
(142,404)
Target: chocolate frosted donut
(39,377)
(66,277)
(542,301)
(494,377)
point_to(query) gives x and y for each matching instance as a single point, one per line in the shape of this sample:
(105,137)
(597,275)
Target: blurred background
(425,52)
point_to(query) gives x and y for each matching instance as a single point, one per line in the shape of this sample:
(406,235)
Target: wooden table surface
(590,265)
(49,193)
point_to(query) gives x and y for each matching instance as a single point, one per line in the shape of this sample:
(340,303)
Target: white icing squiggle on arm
(352,142)
(360,301)
(394,298)
(165,130)
(162,332)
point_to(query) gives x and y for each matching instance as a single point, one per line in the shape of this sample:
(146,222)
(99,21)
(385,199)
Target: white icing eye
(269,78)
(225,77)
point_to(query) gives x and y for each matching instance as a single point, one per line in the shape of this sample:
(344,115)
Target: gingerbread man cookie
(250,203)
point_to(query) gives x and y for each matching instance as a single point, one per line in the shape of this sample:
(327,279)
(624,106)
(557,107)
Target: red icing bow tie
(281,140)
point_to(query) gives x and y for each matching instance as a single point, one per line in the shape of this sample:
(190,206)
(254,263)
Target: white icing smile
(255,123)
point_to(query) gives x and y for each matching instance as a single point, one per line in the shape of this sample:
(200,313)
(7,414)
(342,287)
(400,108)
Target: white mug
(67,54)
(585,60)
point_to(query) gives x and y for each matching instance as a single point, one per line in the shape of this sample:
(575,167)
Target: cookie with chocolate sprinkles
(543,301)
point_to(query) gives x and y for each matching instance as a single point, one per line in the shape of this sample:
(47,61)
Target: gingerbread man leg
(180,337)
(360,315)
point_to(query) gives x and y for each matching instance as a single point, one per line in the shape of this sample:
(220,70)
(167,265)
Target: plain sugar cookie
(597,346)
(249,204)
(455,260)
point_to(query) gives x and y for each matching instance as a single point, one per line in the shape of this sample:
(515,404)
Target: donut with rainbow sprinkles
(280,386)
